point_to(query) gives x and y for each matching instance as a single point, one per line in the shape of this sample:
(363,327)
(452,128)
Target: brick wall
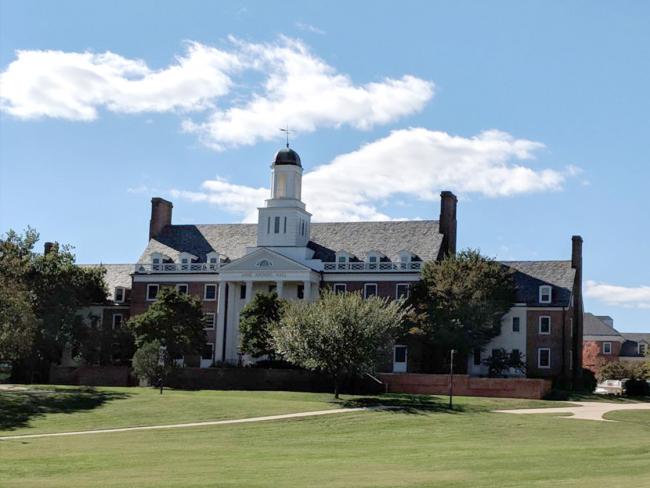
(558,341)
(438,384)
(385,289)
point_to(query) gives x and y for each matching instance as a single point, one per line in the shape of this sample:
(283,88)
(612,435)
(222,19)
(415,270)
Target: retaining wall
(464,385)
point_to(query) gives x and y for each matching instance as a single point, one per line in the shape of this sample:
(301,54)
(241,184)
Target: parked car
(610,387)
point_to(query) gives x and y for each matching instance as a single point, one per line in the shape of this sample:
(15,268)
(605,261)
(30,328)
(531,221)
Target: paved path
(584,410)
(193,424)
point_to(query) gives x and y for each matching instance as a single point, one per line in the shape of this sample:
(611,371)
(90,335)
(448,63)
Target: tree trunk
(336,387)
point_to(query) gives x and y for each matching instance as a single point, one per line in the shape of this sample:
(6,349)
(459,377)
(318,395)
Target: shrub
(636,387)
(589,381)
(146,363)
(614,370)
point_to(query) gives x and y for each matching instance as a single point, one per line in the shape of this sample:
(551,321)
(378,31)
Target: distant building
(226,264)
(612,345)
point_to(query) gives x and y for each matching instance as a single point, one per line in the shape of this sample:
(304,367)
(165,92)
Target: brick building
(226,264)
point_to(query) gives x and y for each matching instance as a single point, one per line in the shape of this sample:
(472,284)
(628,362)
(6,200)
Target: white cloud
(297,88)
(633,297)
(305,92)
(413,163)
(238,199)
(74,86)
(304,26)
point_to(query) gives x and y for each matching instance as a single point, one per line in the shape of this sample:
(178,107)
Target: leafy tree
(17,320)
(501,361)
(55,289)
(614,370)
(175,320)
(340,334)
(591,357)
(460,301)
(104,345)
(255,323)
(147,365)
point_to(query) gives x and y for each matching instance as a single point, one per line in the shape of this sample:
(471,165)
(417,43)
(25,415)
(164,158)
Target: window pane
(276,225)
(477,357)
(515,324)
(400,354)
(207,351)
(210,292)
(152,292)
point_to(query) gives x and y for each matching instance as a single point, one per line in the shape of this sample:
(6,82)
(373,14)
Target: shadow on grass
(17,408)
(402,403)
(592,397)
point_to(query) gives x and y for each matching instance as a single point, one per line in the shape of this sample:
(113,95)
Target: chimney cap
(448,194)
(576,238)
(161,200)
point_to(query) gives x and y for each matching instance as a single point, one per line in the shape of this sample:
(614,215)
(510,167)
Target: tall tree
(55,289)
(256,320)
(175,320)
(340,334)
(461,300)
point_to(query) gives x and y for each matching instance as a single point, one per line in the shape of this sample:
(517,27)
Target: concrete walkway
(584,410)
(193,424)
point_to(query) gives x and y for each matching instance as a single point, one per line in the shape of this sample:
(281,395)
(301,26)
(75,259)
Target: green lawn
(420,444)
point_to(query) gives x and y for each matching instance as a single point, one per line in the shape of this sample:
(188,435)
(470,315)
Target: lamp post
(451,379)
(162,353)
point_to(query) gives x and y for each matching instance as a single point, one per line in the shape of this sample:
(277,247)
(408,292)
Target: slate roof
(116,275)
(593,326)
(420,237)
(637,336)
(530,275)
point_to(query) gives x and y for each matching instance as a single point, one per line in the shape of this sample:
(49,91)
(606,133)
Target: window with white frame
(208,351)
(545,294)
(152,291)
(182,288)
(208,320)
(213,260)
(339,288)
(119,294)
(545,325)
(186,261)
(210,292)
(373,260)
(607,348)
(369,290)
(342,259)
(156,261)
(117,320)
(516,324)
(544,358)
(402,290)
(405,257)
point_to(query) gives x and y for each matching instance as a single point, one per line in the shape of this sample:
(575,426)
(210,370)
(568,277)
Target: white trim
(214,320)
(539,357)
(121,319)
(609,352)
(541,293)
(378,276)
(205,292)
(152,285)
(408,290)
(365,292)
(173,278)
(185,285)
(539,325)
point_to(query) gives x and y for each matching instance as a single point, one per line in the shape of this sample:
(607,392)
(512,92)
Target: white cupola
(284,220)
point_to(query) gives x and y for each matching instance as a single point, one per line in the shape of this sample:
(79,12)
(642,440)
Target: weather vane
(287,131)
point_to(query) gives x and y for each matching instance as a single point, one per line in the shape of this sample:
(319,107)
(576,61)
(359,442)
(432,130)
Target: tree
(17,320)
(501,361)
(340,334)
(460,301)
(175,320)
(147,365)
(591,357)
(55,289)
(255,323)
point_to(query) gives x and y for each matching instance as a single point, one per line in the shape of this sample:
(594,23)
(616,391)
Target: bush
(614,370)
(146,363)
(589,381)
(636,387)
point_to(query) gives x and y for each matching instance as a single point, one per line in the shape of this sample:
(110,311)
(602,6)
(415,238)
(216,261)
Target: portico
(261,271)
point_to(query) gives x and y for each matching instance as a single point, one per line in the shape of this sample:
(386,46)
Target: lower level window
(208,320)
(369,289)
(152,291)
(339,288)
(544,357)
(607,347)
(477,357)
(301,291)
(208,351)
(402,290)
(117,320)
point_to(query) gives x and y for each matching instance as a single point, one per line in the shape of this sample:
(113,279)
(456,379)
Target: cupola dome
(287,156)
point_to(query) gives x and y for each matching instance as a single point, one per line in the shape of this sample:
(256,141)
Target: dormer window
(405,258)
(156,261)
(373,259)
(545,294)
(212,259)
(185,260)
(119,294)
(342,259)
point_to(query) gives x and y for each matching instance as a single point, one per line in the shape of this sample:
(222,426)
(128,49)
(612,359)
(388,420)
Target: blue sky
(534,113)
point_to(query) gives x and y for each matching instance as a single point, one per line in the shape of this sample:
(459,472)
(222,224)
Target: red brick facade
(558,342)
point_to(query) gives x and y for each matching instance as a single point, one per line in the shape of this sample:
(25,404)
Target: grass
(418,443)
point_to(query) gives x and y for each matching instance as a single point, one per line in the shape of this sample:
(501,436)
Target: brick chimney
(161,215)
(48,247)
(578,310)
(447,224)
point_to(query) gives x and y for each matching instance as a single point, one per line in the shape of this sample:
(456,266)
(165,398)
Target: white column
(221,318)
(279,287)
(249,291)
(306,293)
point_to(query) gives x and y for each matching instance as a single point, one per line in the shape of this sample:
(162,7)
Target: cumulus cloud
(296,87)
(74,86)
(410,164)
(624,296)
